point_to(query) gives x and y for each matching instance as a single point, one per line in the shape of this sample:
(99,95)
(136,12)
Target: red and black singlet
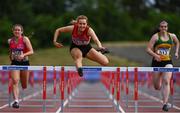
(80,39)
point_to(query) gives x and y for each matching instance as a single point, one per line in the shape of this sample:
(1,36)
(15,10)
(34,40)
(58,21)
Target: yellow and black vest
(163,48)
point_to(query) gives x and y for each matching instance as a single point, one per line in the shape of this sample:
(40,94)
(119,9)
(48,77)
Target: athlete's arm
(59,31)
(29,47)
(95,38)
(176,41)
(10,53)
(150,48)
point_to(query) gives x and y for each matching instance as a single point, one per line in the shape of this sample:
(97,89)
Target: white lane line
(154,98)
(66,101)
(157,99)
(27,97)
(115,101)
(59,109)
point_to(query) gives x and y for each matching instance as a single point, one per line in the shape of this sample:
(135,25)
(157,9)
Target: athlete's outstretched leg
(97,57)
(77,57)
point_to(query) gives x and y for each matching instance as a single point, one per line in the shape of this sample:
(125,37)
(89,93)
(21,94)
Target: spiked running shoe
(80,72)
(15,104)
(165,107)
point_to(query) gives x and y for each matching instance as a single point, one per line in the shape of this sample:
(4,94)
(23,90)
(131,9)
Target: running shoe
(80,72)
(103,51)
(165,107)
(15,104)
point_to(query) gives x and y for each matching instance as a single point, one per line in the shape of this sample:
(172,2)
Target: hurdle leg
(62,103)
(44,105)
(172,91)
(127,88)
(127,101)
(44,88)
(22,95)
(136,89)
(62,74)
(54,86)
(172,101)
(136,106)
(10,99)
(117,107)
(9,89)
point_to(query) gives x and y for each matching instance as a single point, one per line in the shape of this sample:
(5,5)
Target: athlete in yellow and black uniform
(163,49)
(159,47)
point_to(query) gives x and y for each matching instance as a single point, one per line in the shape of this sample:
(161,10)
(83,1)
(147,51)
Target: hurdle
(4,93)
(148,69)
(108,80)
(111,78)
(32,68)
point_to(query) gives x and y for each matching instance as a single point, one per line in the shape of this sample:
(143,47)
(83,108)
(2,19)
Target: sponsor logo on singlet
(164,51)
(80,41)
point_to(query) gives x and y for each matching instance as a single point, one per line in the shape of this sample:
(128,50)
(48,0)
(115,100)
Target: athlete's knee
(78,60)
(105,62)
(24,85)
(15,81)
(157,87)
(166,82)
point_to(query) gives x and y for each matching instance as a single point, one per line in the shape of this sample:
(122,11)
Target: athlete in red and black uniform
(81,41)
(80,47)
(20,48)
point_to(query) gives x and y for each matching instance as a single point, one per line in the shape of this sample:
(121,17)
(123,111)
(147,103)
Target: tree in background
(113,20)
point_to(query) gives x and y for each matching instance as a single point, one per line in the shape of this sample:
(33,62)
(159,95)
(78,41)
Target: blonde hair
(78,18)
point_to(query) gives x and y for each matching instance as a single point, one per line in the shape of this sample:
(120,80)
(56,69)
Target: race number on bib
(16,54)
(163,51)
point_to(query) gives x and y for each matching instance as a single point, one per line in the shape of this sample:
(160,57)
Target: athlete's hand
(20,57)
(157,58)
(58,45)
(176,55)
(103,50)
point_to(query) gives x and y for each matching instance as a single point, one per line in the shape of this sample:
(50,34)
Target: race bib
(163,51)
(15,54)
(78,41)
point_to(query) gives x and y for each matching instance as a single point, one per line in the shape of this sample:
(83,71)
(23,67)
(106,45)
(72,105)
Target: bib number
(163,51)
(16,54)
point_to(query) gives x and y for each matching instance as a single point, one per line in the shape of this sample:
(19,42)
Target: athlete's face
(163,27)
(17,31)
(82,23)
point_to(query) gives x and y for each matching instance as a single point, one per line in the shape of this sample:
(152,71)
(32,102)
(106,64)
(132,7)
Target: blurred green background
(112,20)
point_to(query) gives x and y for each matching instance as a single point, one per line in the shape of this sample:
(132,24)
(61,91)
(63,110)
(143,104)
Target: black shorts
(83,48)
(25,63)
(160,64)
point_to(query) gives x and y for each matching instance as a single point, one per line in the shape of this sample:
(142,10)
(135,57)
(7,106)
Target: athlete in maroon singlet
(80,46)
(20,48)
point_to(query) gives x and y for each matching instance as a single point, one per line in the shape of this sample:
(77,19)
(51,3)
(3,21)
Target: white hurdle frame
(92,68)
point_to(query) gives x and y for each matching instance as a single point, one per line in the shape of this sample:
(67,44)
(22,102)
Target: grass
(55,57)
